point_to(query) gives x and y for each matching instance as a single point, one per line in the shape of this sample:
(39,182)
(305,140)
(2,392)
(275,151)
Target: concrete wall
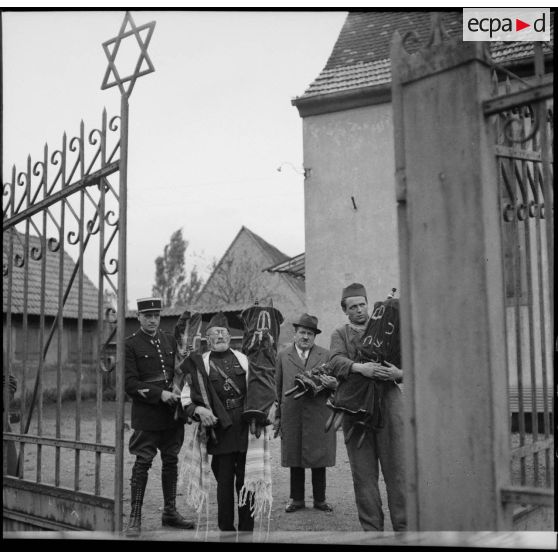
(350,154)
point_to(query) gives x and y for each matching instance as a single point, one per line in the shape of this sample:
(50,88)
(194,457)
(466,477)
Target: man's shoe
(172,518)
(293,506)
(134,528)
(323,506)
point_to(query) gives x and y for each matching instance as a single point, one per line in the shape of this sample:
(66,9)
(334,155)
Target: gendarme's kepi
(150,304)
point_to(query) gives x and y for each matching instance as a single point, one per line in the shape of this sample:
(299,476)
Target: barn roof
(360,56)
(34,289)
(274,253)
(292,266)
(273,256)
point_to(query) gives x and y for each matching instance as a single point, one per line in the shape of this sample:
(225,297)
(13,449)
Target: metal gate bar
(22,250)
(522,152)
(84,181)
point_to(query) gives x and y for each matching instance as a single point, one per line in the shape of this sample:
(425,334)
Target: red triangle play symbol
(519,25)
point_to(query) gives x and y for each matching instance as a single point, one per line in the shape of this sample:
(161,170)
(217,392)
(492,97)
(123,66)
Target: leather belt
(234,403)
(155,378)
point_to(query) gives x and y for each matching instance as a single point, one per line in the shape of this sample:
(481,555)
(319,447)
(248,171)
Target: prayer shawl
(380,342)
(257,488)
(259,344)
(195,472)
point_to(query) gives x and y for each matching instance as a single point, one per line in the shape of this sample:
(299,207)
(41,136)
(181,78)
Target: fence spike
(494,83)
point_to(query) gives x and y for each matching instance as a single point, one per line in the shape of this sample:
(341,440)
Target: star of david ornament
(128,30)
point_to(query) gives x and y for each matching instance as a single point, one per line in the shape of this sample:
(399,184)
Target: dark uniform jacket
(149,371)
(304,442)
(231,431)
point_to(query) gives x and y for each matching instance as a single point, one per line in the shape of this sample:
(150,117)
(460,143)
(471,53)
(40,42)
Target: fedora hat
(309,322)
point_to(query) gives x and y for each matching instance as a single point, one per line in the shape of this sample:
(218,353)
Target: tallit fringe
(195,496)
(259,496)
(198,499)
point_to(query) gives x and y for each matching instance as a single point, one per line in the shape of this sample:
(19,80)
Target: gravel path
(339,482)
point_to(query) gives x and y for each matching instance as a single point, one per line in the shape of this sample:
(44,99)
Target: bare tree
(172,283)
(238,281)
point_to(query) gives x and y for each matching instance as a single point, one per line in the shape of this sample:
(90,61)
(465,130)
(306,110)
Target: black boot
(171,518)
(137,485)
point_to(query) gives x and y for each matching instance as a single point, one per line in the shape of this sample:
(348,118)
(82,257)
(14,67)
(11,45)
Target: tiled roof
(292,266)
(175,311)
(339,79)
(360,57)
(366,36)
(232,311)
(504,53)
(34,290)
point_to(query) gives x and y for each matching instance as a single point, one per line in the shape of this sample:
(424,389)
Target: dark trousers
(144,445)
(318,483)
(228,469)
(382,448)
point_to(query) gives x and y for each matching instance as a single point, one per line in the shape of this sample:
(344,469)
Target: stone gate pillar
(452,299)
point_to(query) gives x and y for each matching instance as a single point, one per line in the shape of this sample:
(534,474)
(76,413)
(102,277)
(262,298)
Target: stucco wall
(350,153)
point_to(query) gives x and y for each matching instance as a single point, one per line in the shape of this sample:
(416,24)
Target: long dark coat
(304,442)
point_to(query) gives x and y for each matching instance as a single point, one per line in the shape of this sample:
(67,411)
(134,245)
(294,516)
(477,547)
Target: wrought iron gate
(521,116)
(64,272)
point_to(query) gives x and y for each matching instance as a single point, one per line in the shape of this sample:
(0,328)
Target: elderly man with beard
(383,446)
(215,396)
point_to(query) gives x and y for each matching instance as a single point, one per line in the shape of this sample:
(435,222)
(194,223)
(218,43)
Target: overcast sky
(208,129)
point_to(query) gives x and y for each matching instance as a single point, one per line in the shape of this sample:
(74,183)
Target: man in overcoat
(304,443)
(384,446)
(149,369)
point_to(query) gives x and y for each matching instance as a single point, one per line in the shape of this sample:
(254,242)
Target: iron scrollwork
(518,116)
